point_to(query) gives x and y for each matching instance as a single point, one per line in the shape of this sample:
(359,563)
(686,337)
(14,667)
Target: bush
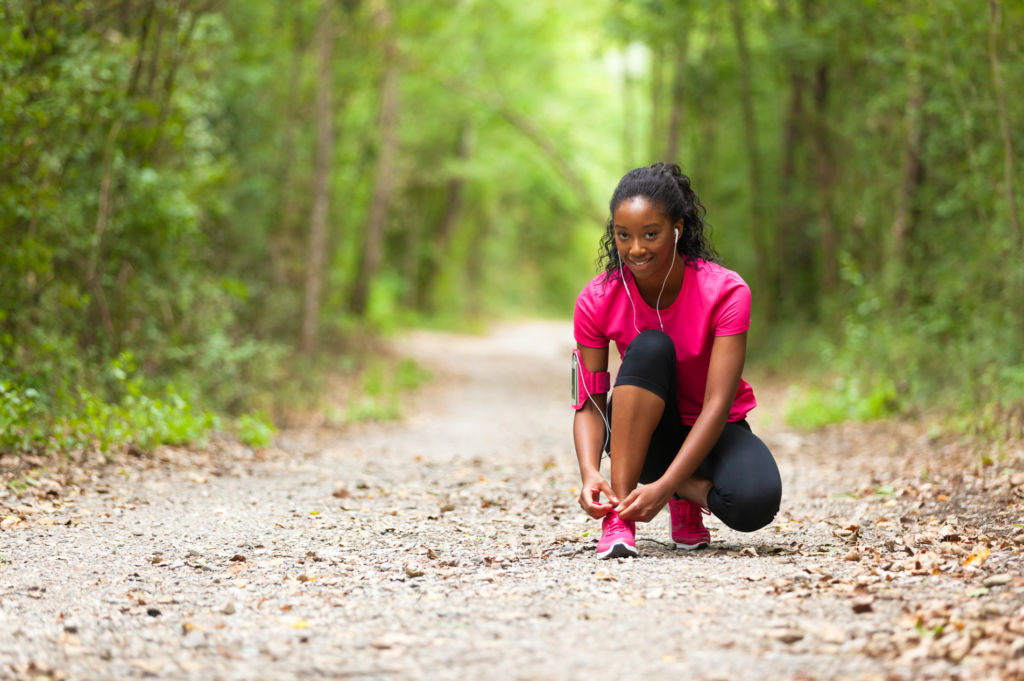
(255,429)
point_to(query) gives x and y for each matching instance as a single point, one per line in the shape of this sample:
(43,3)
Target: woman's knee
(653,343)
(751,509)
(652,353)
(758,510)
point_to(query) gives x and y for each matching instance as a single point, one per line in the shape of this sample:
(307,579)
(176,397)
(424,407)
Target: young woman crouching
(679,321)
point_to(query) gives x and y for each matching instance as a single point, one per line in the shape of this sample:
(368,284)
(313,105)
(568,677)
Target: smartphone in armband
(586,384)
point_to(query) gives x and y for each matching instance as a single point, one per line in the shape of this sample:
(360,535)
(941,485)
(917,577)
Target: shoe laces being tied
(615,523)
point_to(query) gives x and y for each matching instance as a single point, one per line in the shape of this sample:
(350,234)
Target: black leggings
(745,484)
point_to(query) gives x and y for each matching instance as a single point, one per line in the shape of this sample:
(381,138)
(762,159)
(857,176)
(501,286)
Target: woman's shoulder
(715,275)
(597,288)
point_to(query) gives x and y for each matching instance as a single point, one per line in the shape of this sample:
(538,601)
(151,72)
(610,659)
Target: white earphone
(622,277)
(656,308)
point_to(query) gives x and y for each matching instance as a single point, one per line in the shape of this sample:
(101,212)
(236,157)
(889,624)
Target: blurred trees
(215,185)
(866,149)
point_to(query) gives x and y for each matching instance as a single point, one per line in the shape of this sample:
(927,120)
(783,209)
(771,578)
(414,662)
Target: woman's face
(643,235)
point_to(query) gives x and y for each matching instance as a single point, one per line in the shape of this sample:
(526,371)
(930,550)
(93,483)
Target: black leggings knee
(746,487)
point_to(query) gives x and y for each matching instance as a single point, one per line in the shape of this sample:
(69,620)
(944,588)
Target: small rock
(238,558)
(340,492)
(863,604)
(447,507)
(997,580)
(153,612)
(71,625)
(228,609)
(195,638)
(413,571)
(831,633)
(786,635)
(854,554)
(193,553)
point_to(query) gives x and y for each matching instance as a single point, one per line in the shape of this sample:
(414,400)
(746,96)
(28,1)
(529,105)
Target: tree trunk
(824,176)
(628,117)
(321,184)
(284,243)
(675,121)
(910,177)
(656,145)
(1004,120)
(758,218)
(452,213)
(385,167)
(787,227)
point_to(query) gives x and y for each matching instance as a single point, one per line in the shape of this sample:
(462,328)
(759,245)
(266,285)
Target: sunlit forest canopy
(198,194)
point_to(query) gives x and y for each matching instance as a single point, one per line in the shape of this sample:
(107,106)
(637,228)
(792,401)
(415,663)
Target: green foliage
(159,160)
(847,401)
(382,383)
(255,429)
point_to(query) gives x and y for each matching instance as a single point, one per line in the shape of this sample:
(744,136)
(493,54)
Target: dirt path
(263,574)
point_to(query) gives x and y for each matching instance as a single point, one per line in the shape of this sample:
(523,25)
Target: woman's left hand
(644,503)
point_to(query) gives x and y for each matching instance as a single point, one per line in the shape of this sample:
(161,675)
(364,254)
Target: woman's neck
(651,288)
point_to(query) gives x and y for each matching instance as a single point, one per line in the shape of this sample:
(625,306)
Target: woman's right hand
(590,496)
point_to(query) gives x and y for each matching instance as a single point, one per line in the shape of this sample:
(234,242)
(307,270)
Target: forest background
(209,205)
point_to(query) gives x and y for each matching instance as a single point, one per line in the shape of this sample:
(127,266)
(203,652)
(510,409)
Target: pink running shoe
(688,531)
(618,538)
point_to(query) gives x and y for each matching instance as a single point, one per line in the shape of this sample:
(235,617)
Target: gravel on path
(450,546)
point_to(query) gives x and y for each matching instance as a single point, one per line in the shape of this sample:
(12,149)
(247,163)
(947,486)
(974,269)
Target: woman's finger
(622,507)
(607,489)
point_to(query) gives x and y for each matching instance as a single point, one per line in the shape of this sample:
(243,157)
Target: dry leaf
(605,577)
(977,558)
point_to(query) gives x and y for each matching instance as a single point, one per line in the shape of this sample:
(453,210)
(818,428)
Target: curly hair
(665,186)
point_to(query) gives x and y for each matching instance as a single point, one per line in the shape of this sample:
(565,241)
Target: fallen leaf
(605,577)
(447,507)
(977,558)
(237,558)
(755,578)
(854,554)
(749,551)
(305,578)
(413,571)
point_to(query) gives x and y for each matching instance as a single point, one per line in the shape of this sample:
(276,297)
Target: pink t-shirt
(713,302)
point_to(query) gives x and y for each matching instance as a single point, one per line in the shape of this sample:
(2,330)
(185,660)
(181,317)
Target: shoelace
(616,524)
(691,520)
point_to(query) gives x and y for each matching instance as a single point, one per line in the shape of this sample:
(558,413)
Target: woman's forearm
(588,431)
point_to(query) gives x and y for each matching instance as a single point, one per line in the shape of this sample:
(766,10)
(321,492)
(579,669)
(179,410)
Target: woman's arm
(588,430)
(728,355)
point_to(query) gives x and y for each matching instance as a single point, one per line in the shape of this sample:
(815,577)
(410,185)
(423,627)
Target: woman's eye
(651,235)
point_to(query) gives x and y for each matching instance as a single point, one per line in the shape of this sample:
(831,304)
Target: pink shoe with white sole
(618,538)
(688,531)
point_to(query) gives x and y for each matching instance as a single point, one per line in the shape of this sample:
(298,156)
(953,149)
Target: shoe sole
(691,547)
(619,550)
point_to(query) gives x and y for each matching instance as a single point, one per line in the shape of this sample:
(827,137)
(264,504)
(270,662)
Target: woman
(679,321)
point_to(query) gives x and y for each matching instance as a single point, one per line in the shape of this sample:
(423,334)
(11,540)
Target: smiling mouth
(641,263)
